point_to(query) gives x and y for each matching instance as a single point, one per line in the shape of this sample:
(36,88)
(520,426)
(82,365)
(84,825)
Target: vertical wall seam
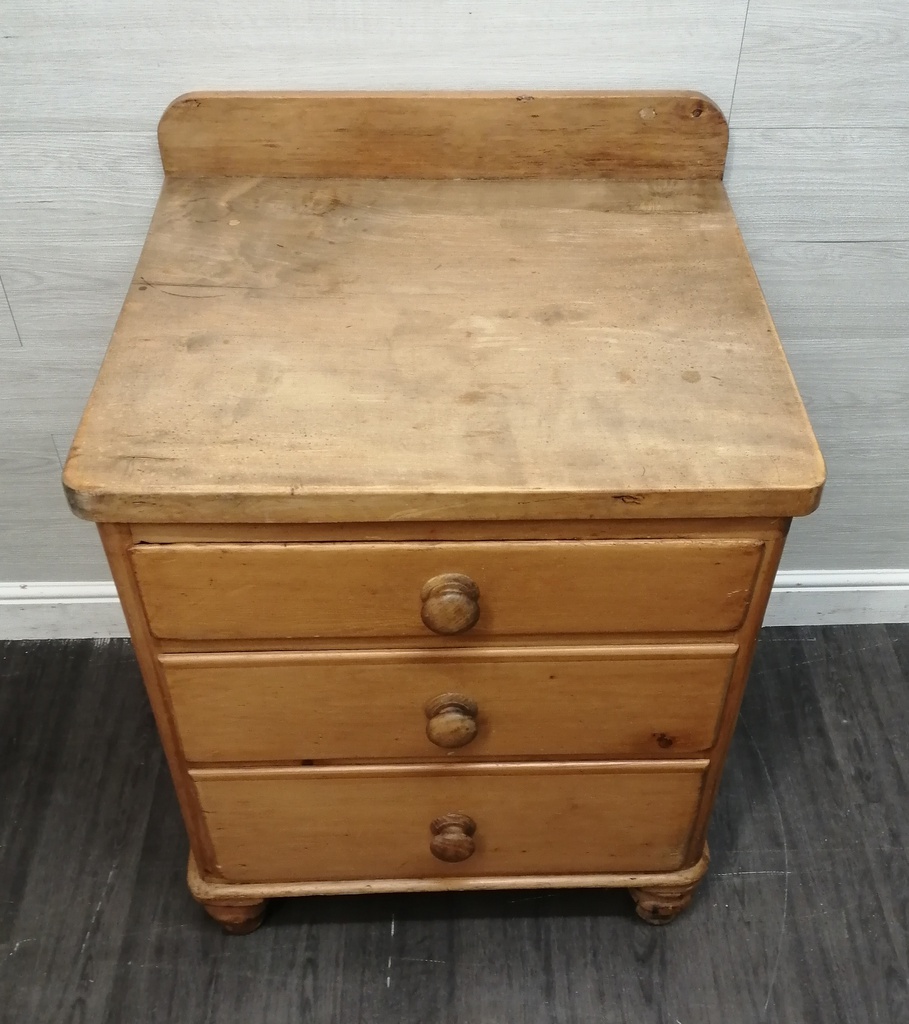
(12,315)
(738,65)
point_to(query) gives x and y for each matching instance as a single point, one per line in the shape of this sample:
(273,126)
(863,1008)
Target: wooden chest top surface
(356,348)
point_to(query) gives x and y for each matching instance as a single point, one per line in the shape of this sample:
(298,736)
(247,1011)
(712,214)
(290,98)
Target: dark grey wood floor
(804,917)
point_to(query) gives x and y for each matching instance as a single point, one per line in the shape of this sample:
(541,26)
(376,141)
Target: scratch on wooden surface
(783,917)
(20,942)
(97,910)
(788,640)
(740,874)
(388,965)
(831,657)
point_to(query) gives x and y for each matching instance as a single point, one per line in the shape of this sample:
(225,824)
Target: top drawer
(520,588)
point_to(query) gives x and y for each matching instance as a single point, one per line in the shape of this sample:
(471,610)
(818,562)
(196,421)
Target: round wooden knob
(452,720)
(452,837)
(451,603)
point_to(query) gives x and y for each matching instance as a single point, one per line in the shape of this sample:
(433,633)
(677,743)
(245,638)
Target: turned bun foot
(662,904)
(237,918)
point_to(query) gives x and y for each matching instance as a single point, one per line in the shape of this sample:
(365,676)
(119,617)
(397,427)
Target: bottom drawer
(330,824)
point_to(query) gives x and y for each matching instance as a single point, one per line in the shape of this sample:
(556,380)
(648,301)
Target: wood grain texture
(450,603)
(239,592)
(823,63)
(444,135)
(451,720)
(656,701)
(89,83)
(452,838)
(803,916)
(431,643)
(329,824)
(820,184)
(681,402)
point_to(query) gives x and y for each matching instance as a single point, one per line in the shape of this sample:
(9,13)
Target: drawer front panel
(321,824)
(546,702)
(534,588)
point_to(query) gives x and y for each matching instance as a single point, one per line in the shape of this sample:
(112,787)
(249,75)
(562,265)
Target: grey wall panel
(835,290)
(112,65)
(51,547)
(29,464)
(843,314)
(861,523)
(83,87)
(831,185)
(856,385)
(74,209)
(818,175)
(65,301)
(824,64)
(857,394)
(40,539)
(44,391)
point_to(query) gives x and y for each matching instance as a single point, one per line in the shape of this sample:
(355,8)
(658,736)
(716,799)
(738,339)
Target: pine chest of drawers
(443,456)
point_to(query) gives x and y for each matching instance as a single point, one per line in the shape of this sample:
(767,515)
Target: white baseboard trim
(60,611)
(45,611)
(838,597)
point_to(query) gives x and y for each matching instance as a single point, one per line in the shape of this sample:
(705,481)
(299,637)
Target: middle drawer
(643,701)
